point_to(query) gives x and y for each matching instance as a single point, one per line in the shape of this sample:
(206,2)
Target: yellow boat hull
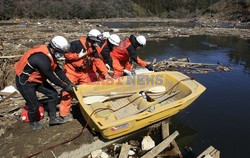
(112,124)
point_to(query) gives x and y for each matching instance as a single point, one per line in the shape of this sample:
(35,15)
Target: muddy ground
(21,34)
(16,138)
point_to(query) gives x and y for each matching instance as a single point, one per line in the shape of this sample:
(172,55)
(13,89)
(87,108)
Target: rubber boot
(35,126)
(55,121)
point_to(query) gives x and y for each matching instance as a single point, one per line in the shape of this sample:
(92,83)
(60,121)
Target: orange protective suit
(98,65)
(121,57)
(78,72)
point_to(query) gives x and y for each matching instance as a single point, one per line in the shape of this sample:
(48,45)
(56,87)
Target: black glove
(73,85)
(150,67)
(69,87)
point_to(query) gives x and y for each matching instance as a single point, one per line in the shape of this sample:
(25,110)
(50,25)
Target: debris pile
(186,66)
(147,148)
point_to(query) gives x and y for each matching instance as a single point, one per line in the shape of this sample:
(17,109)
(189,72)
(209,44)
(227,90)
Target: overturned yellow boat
(121,106)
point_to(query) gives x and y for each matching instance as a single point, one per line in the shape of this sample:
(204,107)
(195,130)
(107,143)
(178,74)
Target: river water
(188,24)
(221,115)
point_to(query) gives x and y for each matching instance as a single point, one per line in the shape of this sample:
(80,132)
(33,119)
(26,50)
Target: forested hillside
(65,9)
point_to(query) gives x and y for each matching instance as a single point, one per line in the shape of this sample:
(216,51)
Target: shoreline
(19,35)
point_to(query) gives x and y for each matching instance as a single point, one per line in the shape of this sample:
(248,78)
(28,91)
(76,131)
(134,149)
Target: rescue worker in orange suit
(103,55)
(127,50)
(32,70)
(78,68)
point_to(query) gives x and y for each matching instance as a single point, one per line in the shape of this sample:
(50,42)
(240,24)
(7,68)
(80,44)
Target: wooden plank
(207,151)
(213,152)
(217,154)
(124,151)
(160,147)
(176,149)
(164,129)
(8,93)
(165,134)
(9,96)
(10,56)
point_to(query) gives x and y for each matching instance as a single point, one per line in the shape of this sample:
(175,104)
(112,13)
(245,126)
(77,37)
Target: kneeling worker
(32,70)
(78,68)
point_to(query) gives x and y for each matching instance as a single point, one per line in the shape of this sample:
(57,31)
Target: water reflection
(221,114)
(225,50)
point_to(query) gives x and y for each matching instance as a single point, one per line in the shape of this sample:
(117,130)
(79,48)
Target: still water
(138,24)
(221,115)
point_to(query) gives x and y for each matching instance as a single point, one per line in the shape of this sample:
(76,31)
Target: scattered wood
(9,96)
(165,133)
(160,147)
(217,154)
(132,148)
(14,109)
(1,44)
(207,151)
(184,65)
(53,154)
(210,151)
(183,35)
(154,61)
(96,153)
(190,63)
(7,93)
(124,151)
(10,56)
(164,129)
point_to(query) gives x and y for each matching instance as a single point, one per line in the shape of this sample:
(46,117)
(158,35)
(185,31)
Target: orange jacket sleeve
(71,56)
(74,60)
(141,62)
(99,64)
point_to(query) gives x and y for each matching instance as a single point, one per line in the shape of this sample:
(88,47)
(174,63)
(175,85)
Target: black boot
(56,121)
(68,118)
(36,126)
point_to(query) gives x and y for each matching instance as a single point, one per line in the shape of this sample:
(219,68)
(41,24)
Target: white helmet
(106,34)
(141,40)
(94,33)
(60,44)
(114,39)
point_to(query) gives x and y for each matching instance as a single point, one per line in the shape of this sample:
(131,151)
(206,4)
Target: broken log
(160,147)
